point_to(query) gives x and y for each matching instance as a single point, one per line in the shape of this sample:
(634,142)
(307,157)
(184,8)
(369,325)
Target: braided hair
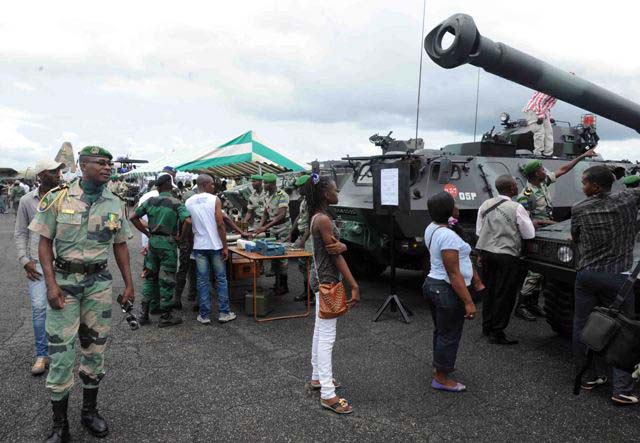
(314,190)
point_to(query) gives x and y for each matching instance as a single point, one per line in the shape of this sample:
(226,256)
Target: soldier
(631,181)
(166,220)
(16,193)
(255,207)
(85,219)
(275,219)
(301,223)
(536,199)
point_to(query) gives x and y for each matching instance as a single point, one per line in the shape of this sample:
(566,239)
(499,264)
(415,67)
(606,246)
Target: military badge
(112,221)
(95,150)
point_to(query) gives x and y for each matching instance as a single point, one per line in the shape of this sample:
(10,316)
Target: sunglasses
(101,163)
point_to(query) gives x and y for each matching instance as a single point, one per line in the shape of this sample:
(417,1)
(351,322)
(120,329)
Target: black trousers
(502,274)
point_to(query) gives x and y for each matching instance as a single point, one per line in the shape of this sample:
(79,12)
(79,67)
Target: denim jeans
(207,260)
(38,295)
(447,311)
(599,289)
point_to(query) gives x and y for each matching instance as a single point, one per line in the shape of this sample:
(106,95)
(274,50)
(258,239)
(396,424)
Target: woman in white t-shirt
(447,290)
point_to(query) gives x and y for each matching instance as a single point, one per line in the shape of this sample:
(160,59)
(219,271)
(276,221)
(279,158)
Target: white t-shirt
(202,208)
(446,239)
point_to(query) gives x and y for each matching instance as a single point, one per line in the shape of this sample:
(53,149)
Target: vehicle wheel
(362,265)
(558,306)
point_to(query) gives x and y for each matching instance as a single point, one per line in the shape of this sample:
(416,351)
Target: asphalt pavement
(245,381)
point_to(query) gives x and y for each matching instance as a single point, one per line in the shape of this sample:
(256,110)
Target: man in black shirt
(603,227)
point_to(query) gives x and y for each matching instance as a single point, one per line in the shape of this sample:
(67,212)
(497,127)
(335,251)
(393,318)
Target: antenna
(424,11)
(475,123)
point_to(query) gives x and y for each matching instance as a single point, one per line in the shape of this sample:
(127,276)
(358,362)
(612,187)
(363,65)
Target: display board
(391,187)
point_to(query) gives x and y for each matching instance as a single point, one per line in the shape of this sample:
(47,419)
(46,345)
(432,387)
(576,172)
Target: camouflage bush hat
(95,151)
(302,180)
(531,166)
(256,177)
(631,180)
(269,178)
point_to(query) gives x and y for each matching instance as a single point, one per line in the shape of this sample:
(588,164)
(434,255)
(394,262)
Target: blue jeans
(207,260)
(447,311)
(599,289)
(38,296)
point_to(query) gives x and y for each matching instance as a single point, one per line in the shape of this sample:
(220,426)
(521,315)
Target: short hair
(601,176)
(164,180)
(203,179)
(503,183)
(440,207)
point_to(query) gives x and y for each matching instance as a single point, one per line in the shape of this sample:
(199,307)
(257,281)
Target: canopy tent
(242,156)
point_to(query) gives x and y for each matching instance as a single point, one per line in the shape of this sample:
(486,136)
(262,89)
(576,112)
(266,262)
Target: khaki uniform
(256,204)
(273,203)
(537,201)
(84,234)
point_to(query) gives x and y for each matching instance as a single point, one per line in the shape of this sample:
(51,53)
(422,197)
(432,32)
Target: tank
(467,170)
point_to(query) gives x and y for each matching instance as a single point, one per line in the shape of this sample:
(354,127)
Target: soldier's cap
(256,177)
(302,180)
(163,178)
(631,180)
(269,178)
(47,165)
(95,151)
(531,166)
(169,169)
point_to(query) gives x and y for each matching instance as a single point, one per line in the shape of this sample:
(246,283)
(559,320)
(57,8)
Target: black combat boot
(168,319)
(143,315)
(60,430)
(177,303)
(90,417)
(284,284)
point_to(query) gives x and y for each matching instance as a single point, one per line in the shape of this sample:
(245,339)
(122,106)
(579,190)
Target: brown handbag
(332,297)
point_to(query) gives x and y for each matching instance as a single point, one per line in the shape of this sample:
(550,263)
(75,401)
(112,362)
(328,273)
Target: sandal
(341,406)
(315,384)
(459,387)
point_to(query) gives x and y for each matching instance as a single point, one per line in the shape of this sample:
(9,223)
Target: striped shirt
(604,230)
(541,104)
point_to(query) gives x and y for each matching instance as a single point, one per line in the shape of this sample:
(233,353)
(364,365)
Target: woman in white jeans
(329,267)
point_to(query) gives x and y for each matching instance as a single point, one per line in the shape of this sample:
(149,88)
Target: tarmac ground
(244,381)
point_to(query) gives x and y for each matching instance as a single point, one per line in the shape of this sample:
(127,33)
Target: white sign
(389,187)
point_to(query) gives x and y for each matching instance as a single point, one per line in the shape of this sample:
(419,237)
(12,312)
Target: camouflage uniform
(186,266)
(257,204)
(303,226)
(166,214)
(281,232)
(537,201)
(84,234)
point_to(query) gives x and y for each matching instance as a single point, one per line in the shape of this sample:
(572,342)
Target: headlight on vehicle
(565,254)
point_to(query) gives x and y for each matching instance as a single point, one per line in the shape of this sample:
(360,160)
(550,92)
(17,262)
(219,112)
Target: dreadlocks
(315,194)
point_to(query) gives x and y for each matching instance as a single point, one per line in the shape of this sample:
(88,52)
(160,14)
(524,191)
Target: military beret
(256,177)
(531,166)
(269,178)
(302,180)
(631,180)
(96,151)
(169,169)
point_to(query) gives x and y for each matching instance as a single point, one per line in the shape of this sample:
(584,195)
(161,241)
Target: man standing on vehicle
(536,199)
(604,229)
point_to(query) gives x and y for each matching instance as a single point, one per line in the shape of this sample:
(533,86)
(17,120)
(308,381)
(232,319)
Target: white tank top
(202,208)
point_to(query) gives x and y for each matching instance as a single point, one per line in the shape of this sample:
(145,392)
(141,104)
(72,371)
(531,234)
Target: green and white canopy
(242,156)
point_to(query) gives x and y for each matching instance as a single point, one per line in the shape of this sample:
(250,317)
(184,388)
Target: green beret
(300,181)
(269,178)
(531,166)
(631,180)
(256,177)
(96,151)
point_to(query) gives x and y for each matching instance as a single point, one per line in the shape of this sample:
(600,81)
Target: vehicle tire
(558,306)
(362,265)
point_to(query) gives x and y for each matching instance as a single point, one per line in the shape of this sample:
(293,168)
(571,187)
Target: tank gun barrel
(504,61)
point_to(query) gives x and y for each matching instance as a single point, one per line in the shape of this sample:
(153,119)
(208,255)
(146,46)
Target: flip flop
(336,384)
(341,406)
(459,387)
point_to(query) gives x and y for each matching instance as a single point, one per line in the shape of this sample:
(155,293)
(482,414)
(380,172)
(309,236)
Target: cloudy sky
(313,79)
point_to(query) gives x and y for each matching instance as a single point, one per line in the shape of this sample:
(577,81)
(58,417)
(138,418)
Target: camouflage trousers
(87,314)
(302,262)
(280,265)
(530,289)
(160,277)
(186,269)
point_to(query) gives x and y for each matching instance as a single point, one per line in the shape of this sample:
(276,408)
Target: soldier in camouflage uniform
(85,219)
(277,223)
(186,266)
(536,199)
(255,206)
(166,216)
(301,223)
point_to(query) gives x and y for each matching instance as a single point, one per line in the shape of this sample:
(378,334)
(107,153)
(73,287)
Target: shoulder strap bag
(332,297)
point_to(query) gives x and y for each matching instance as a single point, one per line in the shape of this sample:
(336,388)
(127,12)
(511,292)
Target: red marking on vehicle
(451,189)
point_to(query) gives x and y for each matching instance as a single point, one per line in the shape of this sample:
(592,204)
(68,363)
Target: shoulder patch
(528,192)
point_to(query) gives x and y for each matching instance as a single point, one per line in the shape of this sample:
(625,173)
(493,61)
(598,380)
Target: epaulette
(45,205)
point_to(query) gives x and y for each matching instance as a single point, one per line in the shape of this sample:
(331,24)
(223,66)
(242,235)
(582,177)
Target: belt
(161,234)
(79,268)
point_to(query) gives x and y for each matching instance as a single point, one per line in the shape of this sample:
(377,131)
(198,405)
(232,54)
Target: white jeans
(542,134)
(324,336)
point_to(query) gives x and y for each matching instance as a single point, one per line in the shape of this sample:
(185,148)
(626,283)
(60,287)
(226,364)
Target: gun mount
(390,144)
(469,46)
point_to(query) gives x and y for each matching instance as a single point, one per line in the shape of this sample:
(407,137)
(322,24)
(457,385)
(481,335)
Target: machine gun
(390,144)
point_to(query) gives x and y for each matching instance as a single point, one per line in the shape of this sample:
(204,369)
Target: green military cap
(531,166)
(631,180)
(269,178)
(96,151)
(302,180)
(256,177)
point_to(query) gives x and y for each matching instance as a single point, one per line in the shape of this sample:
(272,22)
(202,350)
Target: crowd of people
(63,234)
